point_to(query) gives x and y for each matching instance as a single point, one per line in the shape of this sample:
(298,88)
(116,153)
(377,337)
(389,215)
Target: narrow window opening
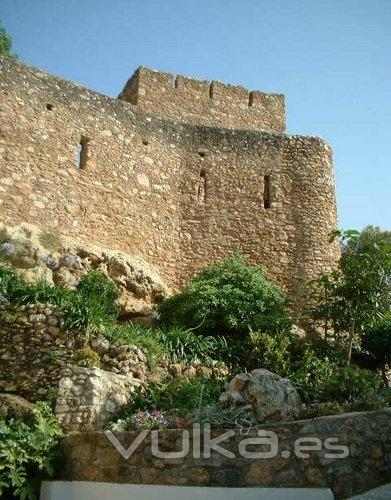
(266,192)
(202,187)
(49,107)
(83,153)
(211,90)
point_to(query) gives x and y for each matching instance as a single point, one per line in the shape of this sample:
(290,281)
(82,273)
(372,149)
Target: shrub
(27,452)
(350,383)
(316,410)
(86,357)
(140,336)
(185,346)
(100,297)
(93,303)
(385,393)
(368,402)
(178,396)
(323,381)
(333,350)
(229,298)
(377,341)
(283,353)
(224,416)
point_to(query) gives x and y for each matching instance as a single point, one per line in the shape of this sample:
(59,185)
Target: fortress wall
(179,196)
(125,196)
(290,237)
(204,103)
(233,218)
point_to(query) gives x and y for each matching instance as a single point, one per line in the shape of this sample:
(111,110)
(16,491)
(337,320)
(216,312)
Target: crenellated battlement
(202,102)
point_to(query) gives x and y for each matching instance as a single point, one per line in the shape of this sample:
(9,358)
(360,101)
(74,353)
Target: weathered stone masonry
(173,191)
(92,457)
(204,103)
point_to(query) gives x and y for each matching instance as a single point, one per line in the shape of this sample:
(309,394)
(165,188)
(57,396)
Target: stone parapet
(190,100)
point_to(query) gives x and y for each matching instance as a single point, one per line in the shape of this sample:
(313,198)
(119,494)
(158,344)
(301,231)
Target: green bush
(224,416)
(140,336)
(333,350)
(27,453)
(185,346)
(100,297)
(230,298)
(283,353)
(93,303)
(368,402)
(323,381)
(86,357)
(316,410)
(377,341)
(178,396)
(385,393)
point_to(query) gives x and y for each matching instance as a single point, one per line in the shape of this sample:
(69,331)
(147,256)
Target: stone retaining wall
(92,457)
(88,396)
(34,349)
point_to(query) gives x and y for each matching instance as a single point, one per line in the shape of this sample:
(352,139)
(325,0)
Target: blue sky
(331,58)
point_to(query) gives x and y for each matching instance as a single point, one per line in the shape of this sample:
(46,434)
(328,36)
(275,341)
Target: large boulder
(54,258)
(12,406)
(271,397)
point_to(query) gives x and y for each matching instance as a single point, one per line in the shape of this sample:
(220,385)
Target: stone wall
(87,397)
(34,351)
(204,103)
(92,457)
(180,196)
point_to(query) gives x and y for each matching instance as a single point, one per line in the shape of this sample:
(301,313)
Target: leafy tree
(353,296)
(229,298)
(377,341)
(376,244)
(5,43)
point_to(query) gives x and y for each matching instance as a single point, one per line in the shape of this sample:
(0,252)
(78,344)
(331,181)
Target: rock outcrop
(271,397)
(54,258)
(12,406)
